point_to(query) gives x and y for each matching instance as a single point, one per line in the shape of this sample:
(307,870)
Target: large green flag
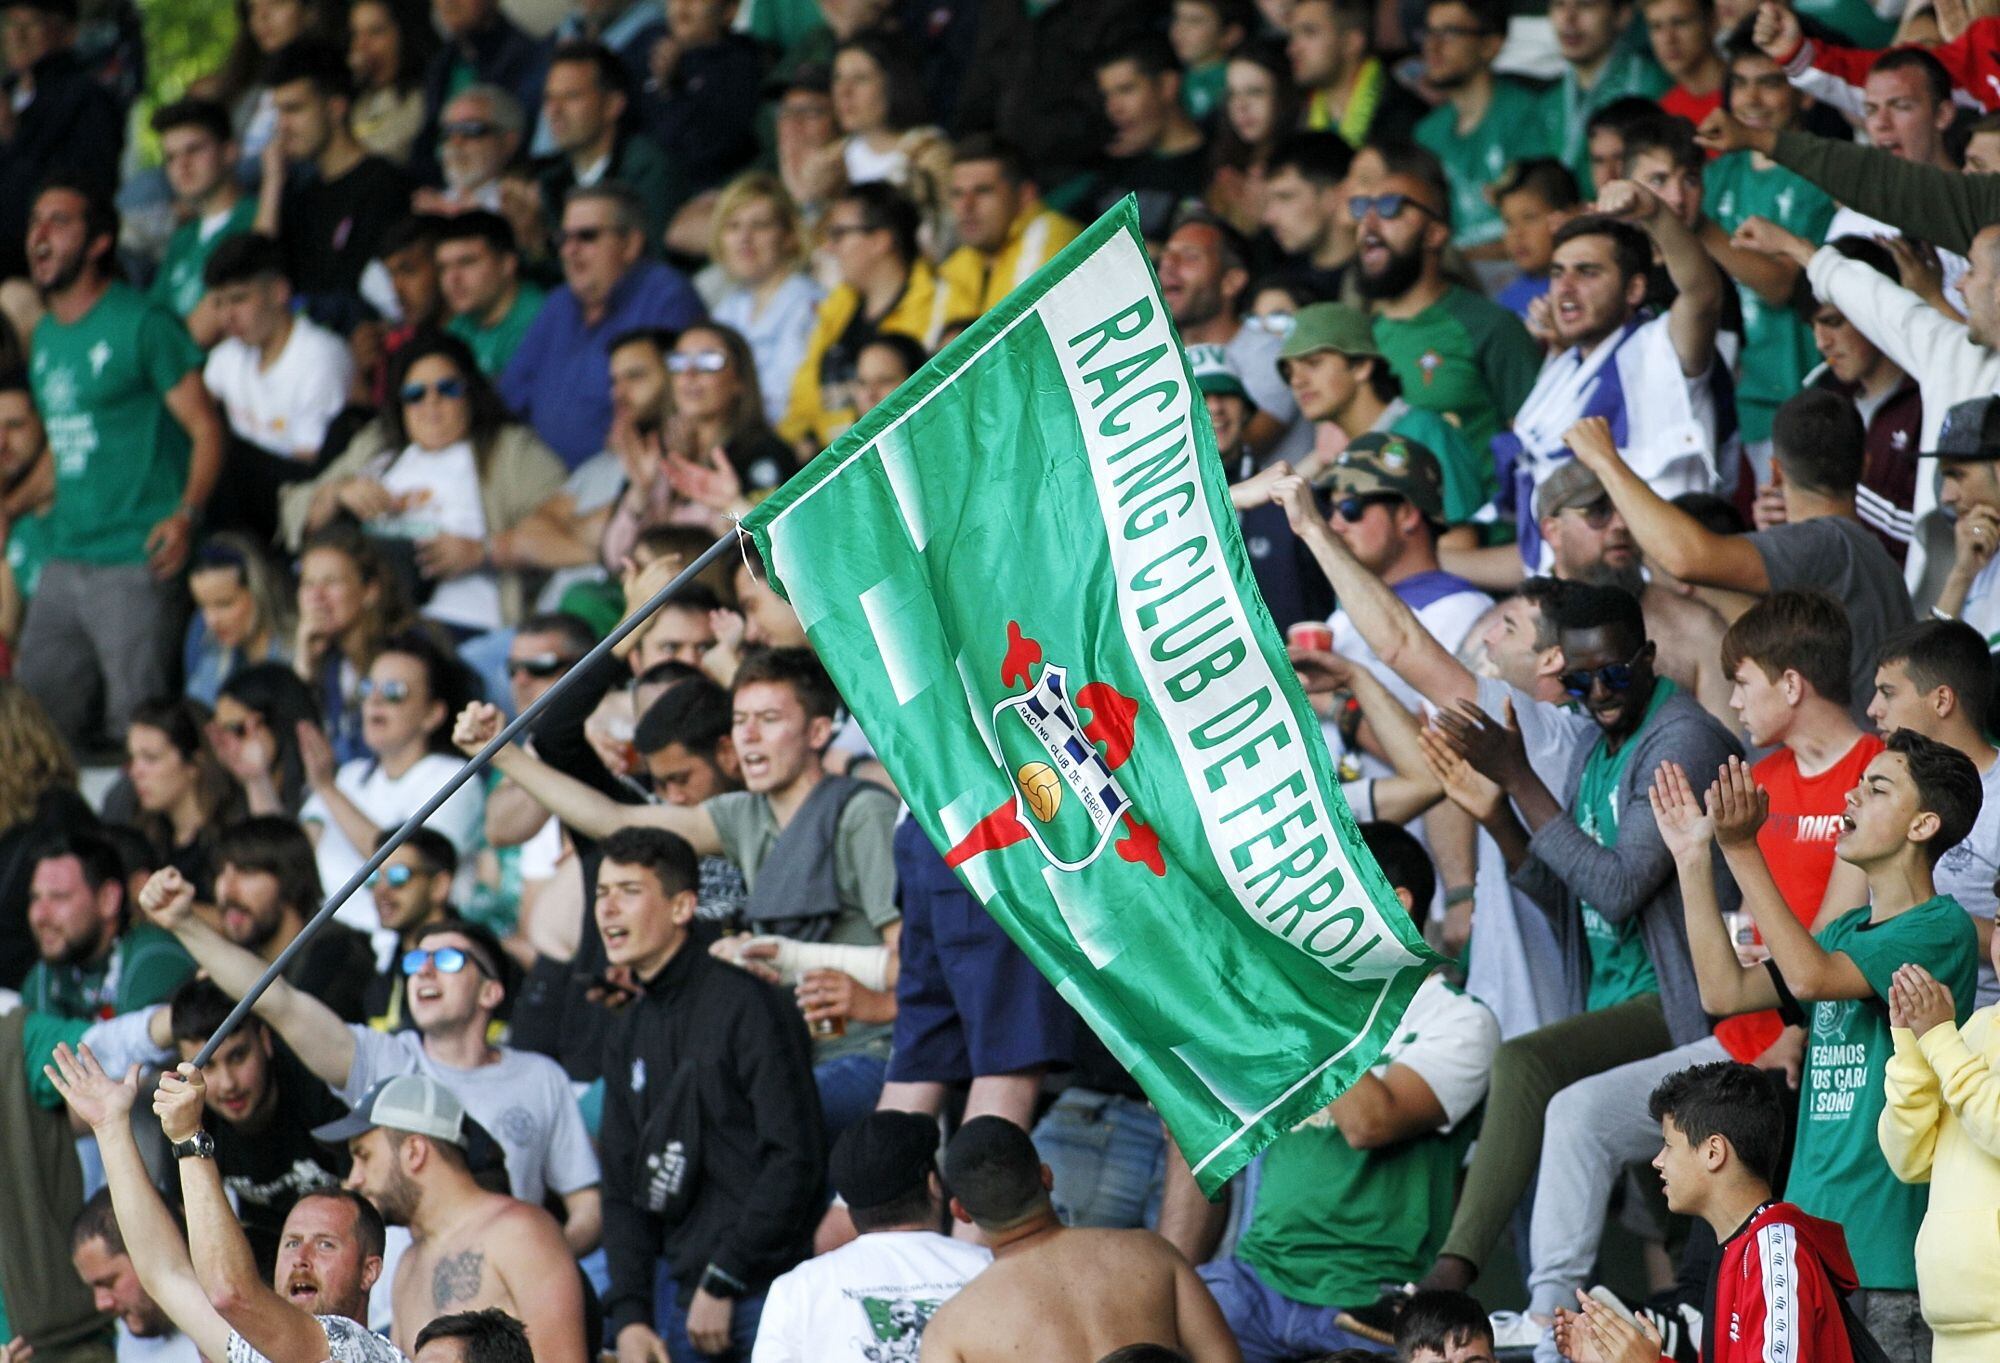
(1024,574)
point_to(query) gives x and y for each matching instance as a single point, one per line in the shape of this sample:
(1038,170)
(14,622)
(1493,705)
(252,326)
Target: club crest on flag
(1067,798)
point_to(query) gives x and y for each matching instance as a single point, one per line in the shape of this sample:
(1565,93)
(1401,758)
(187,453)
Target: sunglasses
(448,961)
(1615,676)
(541,665)
(582,236)
(413,393)
(1387,207)
(699,362)
(1595,514)
(395,877)
(1352,509)
(394,692)
(470,128)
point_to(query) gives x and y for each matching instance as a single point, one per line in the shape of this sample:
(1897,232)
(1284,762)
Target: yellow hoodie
(1942,1126)
(919,314)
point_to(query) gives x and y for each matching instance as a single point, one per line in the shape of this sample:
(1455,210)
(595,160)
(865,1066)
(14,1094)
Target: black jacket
(73,126)
(730,1055)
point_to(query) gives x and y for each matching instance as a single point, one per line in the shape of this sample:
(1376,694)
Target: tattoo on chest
(456,1278)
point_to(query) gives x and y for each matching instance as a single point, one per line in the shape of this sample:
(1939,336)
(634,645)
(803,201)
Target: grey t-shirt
(864,873)
(346,1342)
(524,1101)
(1966,873)
(1842,557)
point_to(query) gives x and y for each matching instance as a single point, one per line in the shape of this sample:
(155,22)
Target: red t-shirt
(1694,108)
(1797,842)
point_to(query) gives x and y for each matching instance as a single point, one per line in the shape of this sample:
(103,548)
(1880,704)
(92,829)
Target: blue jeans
(849,1087)
(671,1324)
(1109,1158)
(1271,1328)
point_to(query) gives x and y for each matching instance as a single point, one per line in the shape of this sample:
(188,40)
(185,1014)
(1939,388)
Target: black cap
(882,1157)
(1971,432)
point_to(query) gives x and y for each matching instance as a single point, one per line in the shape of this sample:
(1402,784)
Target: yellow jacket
(975,281)
(1942,1126)
(919,313)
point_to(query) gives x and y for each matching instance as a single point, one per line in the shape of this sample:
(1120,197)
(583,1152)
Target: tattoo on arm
(457,1278)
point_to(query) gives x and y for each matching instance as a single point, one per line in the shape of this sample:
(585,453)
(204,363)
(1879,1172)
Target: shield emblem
(1064,793)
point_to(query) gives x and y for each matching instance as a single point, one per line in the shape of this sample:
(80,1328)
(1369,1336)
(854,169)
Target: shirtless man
(1591,543)
(1053,1292)
(468,1248)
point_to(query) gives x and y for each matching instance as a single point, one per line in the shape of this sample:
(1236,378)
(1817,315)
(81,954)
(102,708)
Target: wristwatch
(200,1145)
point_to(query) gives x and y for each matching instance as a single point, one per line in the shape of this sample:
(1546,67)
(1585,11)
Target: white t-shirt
(866,1302)
(443,488)
(1448,1038)
(387,801)
(346,1340)
(1966,873)
(172,1347)
(1982,603)
(286,408)
(524,1101)
(1448,608)
(865,165)
(1516,966)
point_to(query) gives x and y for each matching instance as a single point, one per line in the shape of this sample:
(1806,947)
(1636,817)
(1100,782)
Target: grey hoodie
(1636,877)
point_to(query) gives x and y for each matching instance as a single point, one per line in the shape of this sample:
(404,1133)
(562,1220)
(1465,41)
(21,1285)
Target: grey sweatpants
(96,632)
(1596,1127)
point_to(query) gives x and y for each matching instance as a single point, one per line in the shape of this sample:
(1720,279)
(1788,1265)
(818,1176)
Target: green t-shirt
(1625,72)
(1778,349)
(495,345)
(1469,482)
(1203,89)
(1464,357)
(144,968)
(1514,128)
(1620,969)
(121,458)
(27,550)
(1838,1170)
(178,286)
(1332,1223)
(1855,20)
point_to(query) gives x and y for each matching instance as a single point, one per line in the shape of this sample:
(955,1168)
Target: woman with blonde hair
(758,239)
(38,798)
(243,613)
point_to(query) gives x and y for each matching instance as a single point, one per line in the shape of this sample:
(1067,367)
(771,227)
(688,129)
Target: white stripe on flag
(894,606)
(1216,1083)
(1085,922)
(904,484)
(982,718)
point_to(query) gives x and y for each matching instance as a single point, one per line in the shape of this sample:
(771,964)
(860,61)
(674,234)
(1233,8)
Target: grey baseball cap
(1571,484)
(408,1102)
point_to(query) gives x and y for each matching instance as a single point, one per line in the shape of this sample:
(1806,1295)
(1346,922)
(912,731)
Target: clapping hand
(1598,1334)
(1493,746)
(1475,794)
(1685,827)
(1918,1001)
(1737,805)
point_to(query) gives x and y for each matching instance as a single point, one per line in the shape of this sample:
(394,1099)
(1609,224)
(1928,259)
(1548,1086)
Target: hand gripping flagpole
(450,788)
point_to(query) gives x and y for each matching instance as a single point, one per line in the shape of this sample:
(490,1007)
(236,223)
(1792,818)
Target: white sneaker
(1516,1330)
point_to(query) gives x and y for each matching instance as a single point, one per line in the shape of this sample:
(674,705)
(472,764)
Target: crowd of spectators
(1609,394)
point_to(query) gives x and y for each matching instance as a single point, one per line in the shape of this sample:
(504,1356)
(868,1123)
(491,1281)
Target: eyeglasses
(582,236)
(1615,676)
(1352,509)
(469,128)
(395,877)
(413,393)
(394,692)
(1387,207)
(1595,514)
(699,362)
(838,231)
(1271,323)
(540,665)
(448,961)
